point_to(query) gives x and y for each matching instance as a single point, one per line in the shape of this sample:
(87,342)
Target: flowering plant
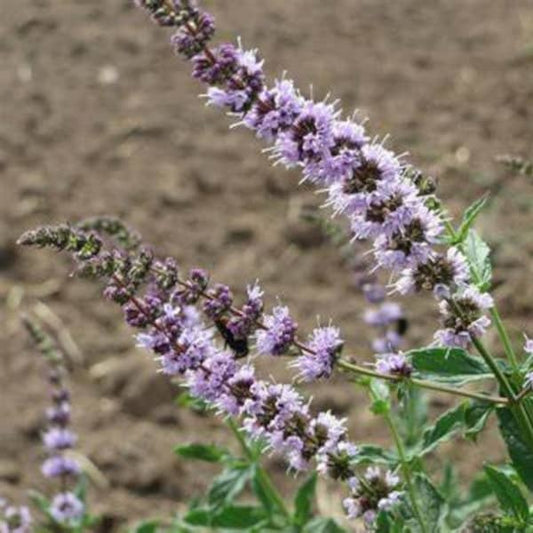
(198,333)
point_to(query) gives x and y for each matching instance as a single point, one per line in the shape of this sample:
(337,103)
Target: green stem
(504,336)
(405,466)
(517,408)
(356,369)
(491,362)
(262,477)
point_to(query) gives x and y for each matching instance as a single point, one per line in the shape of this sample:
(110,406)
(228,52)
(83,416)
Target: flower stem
(504,336)
(405,465)
(350,367)
(262,476)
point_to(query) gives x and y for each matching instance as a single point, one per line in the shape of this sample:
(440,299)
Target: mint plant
(198,333)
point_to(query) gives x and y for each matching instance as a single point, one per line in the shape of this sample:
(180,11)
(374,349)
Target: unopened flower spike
(66,508)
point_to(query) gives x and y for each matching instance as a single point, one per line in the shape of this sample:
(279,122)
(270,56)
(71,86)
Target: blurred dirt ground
(98,117)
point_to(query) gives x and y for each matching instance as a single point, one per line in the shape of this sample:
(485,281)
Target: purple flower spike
(278,336)
(66,507)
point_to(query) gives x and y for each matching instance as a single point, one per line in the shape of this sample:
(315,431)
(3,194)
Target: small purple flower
(463,318)
(374,293)
(279,332)
(438,270)
(238,90)
(59,465)
(209,381)
(59,439)
(15,520)
(219,302)
(241,326)
(327,344)
(386,314)
(275,111)
(378,492)
(310,137)
(66,508)
(193,347)
(190,44)
(395,364)
(388,343)
(60,414)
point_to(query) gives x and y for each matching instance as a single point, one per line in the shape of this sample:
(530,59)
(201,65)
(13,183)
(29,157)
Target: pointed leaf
(448,365)
(303,502)
(445,426)
(202,452)
(477,253)
(476,415)
(238,517)
(520,452)
(432,503)
(228,485)
(508,493)
(469,218)
(369,453)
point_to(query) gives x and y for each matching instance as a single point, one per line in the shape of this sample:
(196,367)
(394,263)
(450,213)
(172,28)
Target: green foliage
(448,365)
(469,217)
(477,253)
(432,503)
(372,454)
(508,493)
(519,449)
(468,416)
(202,452)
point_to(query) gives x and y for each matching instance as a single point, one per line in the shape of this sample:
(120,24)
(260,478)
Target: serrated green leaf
(520,452)
(448,365)
(238,517)
(475,418)
(433,506)
(477,253)
(202,452)
(445,426)
(303,501)
(323,525)
(508,493)
(229,484)
(370,453)
(469,217)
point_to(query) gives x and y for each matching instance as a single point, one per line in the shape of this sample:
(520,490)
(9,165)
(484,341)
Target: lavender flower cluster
(386,201)
(66,508)
(166,310)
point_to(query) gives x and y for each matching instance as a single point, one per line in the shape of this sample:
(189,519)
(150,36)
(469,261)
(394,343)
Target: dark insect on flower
(402,325)
(238,345)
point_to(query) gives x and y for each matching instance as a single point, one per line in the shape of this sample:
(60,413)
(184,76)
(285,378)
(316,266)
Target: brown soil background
(98,117)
